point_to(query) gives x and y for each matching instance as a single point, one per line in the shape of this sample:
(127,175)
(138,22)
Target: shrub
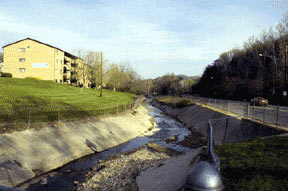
(36,78)
(7,75)
(182,102)
(174,101)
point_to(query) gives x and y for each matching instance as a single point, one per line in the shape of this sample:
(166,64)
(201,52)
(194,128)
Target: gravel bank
(120,172)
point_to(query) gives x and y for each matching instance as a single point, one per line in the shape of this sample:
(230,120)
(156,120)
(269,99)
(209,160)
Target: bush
(174,101)
(7,75)
(36,78)
(183,102)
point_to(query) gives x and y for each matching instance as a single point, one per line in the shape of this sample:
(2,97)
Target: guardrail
(271,114)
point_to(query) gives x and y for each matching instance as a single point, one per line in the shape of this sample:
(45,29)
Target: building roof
(71,55)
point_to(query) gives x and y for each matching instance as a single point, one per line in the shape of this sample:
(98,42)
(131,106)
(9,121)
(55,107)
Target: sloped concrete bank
(196,117)
(29,153)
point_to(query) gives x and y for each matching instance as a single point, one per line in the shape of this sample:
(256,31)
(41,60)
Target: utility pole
(276,73)
(285,82)
(286,50)
(101,72)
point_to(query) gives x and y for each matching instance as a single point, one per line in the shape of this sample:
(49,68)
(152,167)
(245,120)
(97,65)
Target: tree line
(171,84)
(257,69)
(122,77)
(117,77)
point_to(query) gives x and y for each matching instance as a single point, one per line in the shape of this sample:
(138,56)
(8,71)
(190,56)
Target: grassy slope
(44,96)
(260,164)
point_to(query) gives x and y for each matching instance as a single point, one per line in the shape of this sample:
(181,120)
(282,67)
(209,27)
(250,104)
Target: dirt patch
(194,140)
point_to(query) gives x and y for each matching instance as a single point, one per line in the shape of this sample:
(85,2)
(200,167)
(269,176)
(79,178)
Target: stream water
(63,179)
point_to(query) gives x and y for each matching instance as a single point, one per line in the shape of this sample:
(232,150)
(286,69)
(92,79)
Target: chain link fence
(232,130)
(271,114)
(33,116)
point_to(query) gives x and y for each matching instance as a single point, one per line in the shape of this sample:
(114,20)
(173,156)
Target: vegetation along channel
(67,177)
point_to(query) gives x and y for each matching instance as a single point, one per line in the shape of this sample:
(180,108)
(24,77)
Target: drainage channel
(63,179)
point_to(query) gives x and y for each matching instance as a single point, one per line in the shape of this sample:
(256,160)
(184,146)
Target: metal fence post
(29,116)
(226,127)
(263,113)
(245,110)
(277,115)
(227,105)
(59,114)
(253,107)
(221,104)
(247,105)
(238,109)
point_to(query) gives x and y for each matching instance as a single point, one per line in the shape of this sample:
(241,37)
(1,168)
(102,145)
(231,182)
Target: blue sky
(155,36)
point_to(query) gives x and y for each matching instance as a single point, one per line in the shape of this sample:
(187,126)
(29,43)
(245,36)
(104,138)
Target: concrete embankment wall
(31,152)
(196,117)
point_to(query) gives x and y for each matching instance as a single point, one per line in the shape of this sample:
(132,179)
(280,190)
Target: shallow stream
(63,179)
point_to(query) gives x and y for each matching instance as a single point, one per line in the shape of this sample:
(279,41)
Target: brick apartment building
(32,58)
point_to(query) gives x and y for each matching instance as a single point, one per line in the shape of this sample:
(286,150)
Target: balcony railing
(73,64)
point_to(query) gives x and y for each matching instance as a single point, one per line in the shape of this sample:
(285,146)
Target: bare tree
(83,70)
(113,76)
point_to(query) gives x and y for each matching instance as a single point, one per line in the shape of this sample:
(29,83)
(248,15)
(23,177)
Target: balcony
(66,69)
(73,64)
(73,79)
(66,62)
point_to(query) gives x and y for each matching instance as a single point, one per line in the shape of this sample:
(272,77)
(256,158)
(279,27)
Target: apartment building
(32,58)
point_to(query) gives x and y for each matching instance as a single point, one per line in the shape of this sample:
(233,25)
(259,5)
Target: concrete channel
(193,117)
(63,179)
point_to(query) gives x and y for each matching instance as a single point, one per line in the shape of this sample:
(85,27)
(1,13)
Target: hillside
(49,101)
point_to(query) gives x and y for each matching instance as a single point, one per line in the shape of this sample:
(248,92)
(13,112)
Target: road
(270,114)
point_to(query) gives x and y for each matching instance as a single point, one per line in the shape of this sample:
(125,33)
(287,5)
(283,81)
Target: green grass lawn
(47,98)
(174,101)
(260,164)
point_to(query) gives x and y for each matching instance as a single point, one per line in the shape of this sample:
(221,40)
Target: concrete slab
(169,177)
(12,173)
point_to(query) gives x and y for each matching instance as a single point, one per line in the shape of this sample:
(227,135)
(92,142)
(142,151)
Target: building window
(21,59)
(21,69)
(21,49)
